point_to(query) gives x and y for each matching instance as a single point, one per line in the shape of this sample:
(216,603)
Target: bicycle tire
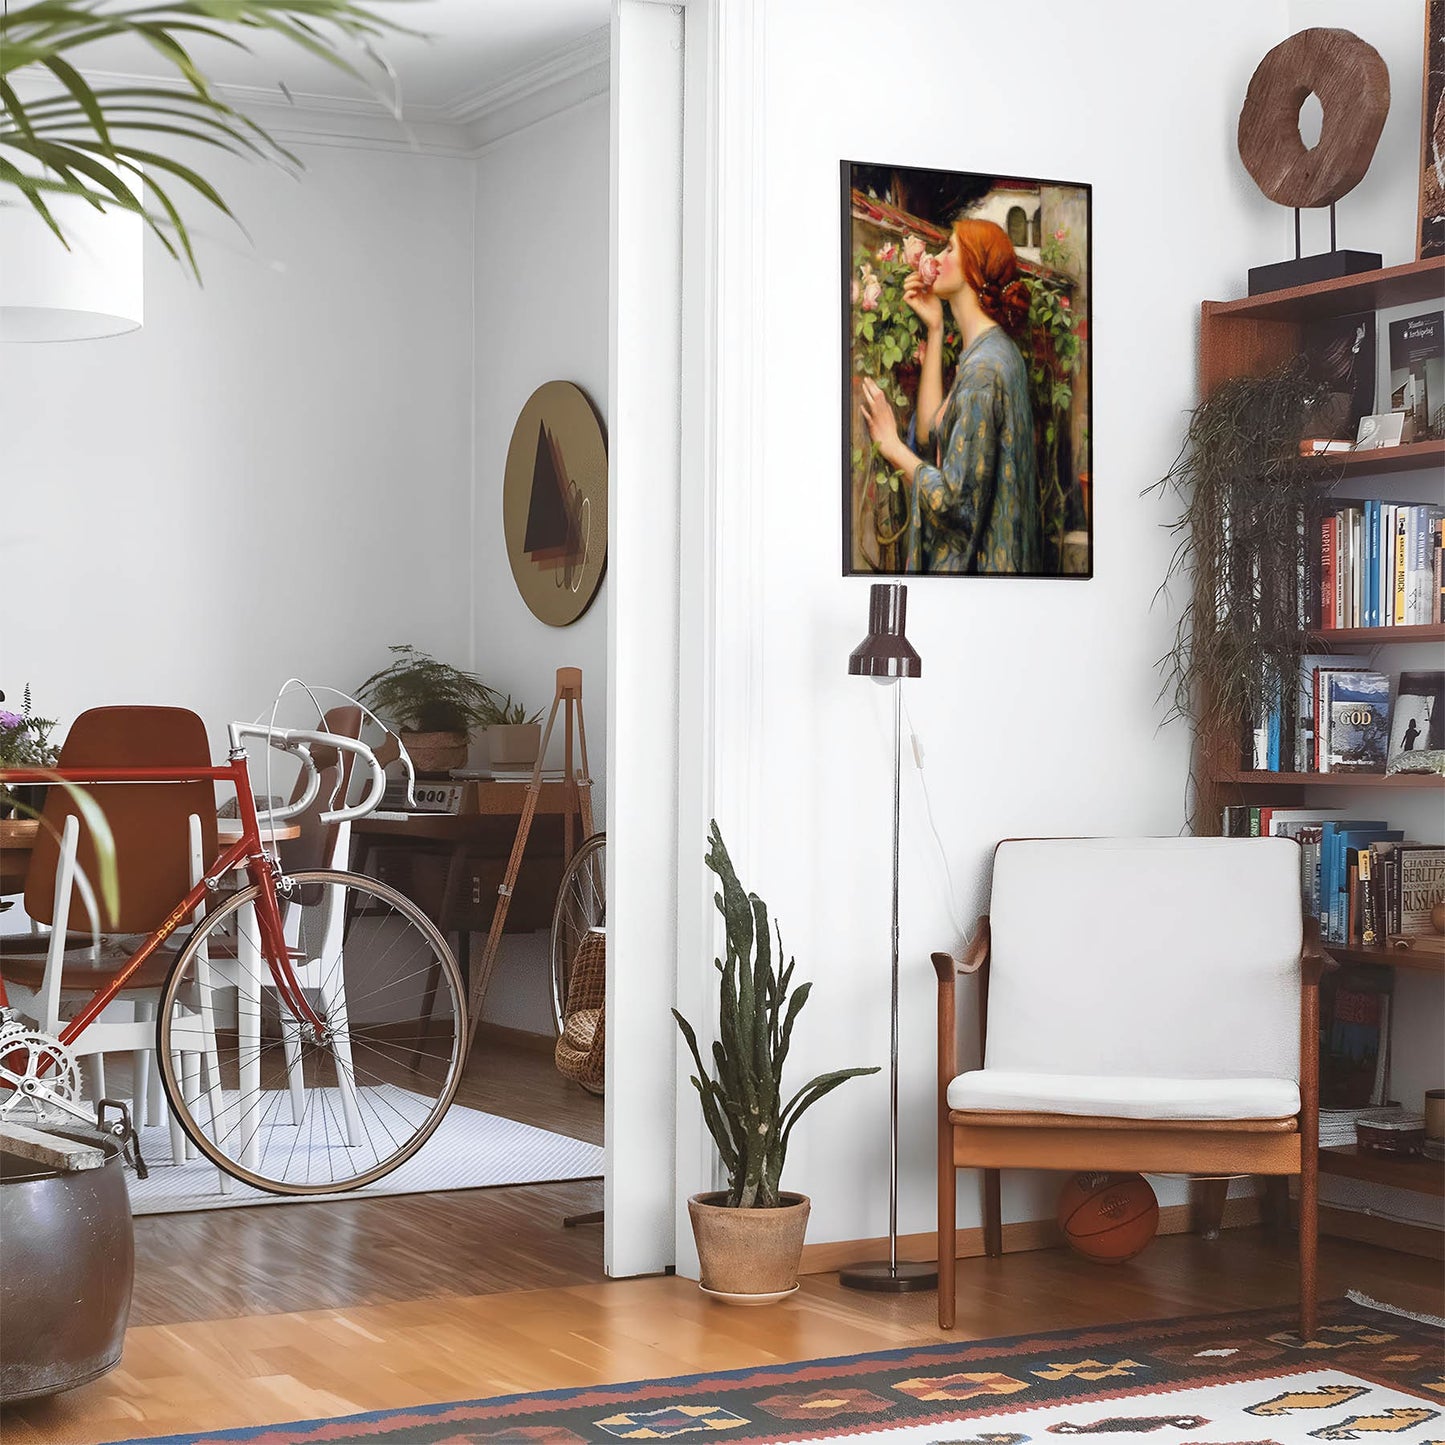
(347,930)
(581,904)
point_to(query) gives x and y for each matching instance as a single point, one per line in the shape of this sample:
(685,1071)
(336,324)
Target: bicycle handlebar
(299,742)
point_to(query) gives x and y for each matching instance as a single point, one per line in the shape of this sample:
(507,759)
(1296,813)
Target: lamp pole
(887,657)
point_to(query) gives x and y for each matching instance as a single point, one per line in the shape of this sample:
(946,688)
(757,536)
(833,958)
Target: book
(1354,1038)
(1417,369)
(1417,720)
(1305,760)
(1420,885)
(1420,589)
(1356,713)
(1340,354)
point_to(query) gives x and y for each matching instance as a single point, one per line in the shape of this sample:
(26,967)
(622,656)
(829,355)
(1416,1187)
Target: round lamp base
(883,1278)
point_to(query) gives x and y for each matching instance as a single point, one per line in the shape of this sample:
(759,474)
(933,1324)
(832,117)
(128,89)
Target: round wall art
(554,503)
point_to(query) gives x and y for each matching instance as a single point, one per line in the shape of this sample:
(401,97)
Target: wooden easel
(578,783)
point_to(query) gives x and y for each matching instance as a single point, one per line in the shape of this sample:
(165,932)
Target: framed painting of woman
(966,395)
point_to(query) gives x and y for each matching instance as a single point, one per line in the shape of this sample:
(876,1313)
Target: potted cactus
(750,1236)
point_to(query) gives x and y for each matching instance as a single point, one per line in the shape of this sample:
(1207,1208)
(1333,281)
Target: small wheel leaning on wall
(581,905)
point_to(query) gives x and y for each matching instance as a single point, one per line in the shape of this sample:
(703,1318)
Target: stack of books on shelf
(1337,1126)
(1376,564)
(1362,879)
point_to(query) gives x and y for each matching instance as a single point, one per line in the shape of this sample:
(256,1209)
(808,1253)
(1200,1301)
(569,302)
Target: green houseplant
(69,137)
(750,1236)
(434,704)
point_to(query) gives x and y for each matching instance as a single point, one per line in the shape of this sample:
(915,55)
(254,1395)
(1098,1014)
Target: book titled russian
(1417,370)
(1421,884)
(1417,722)
(1357,713)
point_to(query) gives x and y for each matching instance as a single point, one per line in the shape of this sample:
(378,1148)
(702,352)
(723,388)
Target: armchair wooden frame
(995,1140)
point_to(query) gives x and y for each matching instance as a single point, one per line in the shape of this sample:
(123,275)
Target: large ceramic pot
(434,755)
(748,1256)
(69,1262)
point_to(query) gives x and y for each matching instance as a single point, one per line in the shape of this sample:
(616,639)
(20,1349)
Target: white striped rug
(470,1150)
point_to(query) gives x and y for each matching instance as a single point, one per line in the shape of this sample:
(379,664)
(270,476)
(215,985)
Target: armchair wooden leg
(992,1214)
(947,1217)
(1206,1198)
(1308,1243)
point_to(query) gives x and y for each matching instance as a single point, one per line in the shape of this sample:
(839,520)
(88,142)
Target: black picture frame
(882,204)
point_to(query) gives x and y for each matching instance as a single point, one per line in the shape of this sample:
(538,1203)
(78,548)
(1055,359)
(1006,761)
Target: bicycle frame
(248,850)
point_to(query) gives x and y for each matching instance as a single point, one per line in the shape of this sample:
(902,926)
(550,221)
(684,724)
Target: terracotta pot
(434,755)
(747,1252)
(513,745)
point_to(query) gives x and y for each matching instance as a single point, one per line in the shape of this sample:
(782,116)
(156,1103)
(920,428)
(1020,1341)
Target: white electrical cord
(916,747)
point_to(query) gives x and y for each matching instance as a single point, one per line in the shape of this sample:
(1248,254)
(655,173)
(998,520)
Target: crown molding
(568,77)
(579,61)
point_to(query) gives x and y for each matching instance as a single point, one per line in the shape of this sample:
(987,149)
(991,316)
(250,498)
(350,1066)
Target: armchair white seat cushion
(1116,1097)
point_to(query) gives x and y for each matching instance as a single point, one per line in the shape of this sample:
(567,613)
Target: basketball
(1108,1217)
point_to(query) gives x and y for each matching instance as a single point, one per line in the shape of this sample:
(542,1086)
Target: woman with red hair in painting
(971,470)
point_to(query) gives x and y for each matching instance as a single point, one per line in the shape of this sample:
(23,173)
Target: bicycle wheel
(276,1103)
(581,904)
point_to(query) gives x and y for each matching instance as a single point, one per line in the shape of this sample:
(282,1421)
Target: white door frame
(685,593)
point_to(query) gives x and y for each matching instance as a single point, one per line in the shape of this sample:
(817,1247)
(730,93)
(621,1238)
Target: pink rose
(1064,302)
(1061,233)
(928,269)
(913,248)
(888,252)
(872,293)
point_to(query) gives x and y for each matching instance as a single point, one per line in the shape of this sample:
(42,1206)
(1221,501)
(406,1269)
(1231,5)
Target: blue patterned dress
(977,509)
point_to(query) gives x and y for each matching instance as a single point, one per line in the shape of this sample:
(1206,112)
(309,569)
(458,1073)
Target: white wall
(541,315)
(303,421)
(1037,707)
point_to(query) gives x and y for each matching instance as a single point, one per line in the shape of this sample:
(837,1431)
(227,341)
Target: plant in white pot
(434,704)
(750,1236)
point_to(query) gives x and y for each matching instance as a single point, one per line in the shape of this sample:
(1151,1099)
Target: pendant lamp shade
(49,293)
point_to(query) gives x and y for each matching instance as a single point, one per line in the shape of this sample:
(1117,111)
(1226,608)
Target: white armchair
(1144,1004)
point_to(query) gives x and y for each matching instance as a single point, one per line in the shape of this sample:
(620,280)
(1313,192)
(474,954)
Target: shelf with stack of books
(1396,489)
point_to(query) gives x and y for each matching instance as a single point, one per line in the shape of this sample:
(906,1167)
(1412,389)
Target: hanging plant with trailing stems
(1242,546)
(110,145)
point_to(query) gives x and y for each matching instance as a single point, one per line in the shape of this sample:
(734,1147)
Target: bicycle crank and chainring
(38,1074)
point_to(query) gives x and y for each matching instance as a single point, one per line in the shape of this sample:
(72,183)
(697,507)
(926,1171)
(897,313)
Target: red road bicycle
(311,1030)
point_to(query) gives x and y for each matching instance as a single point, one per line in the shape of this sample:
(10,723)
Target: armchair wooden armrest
(944,965)
(974,957)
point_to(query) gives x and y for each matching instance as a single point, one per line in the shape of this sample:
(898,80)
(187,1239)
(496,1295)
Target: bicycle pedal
(125,1131)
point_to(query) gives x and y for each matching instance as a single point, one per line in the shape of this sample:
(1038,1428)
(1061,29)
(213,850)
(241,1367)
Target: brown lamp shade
(886,653)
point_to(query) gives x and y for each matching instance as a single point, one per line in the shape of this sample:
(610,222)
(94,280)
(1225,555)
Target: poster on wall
(1432,138)
(966,390)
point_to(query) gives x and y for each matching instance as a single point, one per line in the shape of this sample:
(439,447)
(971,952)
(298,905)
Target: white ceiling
(470,47)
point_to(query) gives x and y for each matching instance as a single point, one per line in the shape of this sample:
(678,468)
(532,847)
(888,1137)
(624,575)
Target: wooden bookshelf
(1379,636)
(1422,961)
(1251,337)
(1247,779)
(1400,1171)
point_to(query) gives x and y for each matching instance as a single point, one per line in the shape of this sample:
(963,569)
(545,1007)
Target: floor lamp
(886,656)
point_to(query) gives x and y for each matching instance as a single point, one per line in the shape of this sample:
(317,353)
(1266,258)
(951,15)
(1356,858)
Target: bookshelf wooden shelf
(1410,457)
(1365,291)
(1411,1171)
(1379,636)
(1243,778)
(1420,962)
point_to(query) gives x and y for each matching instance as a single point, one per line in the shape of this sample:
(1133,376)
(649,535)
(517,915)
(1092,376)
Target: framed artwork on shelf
(966,309)
(1432,134)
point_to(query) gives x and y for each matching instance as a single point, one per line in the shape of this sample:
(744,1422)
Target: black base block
(1306,270)
(880,1277)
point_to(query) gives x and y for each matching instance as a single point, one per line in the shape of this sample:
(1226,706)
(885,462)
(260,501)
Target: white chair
(1144,1004)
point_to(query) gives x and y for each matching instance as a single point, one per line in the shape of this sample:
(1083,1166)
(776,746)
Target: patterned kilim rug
(1237,1379)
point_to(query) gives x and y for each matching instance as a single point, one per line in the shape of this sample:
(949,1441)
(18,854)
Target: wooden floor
(257,1316)
(266,1369)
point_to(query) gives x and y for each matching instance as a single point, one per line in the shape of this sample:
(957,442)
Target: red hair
(991,268)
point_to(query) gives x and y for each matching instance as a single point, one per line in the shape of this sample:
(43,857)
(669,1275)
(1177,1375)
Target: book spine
(1322,723)
(1341,552)
(1372,563)
(1437,613)
(1352,598)
(1327,573)
(1385,601)
(1254,822)
(1398,604)
(1369,933)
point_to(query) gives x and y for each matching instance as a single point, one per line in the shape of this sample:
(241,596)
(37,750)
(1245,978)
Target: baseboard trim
(1387,1233)
(1022,1235)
